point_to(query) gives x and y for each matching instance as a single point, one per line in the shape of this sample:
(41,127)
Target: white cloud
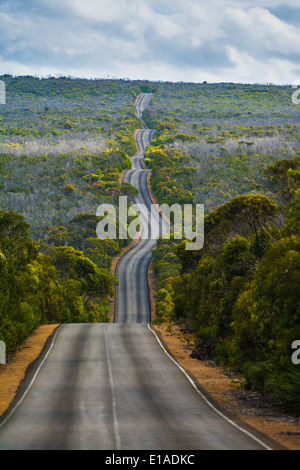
(193,40)
(274,70)
(105,11)
(259,28)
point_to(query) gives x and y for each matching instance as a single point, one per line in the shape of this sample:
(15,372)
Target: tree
(293,215)
(14,238)
(19,308)
(266,317)
(246,215)
(84,226)
(95,283)
(236,257)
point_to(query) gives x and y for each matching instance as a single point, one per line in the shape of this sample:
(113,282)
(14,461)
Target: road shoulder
(218,384)
(13,372)
(223,387)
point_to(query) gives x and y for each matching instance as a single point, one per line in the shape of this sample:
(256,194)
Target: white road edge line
(114,406)
(32,380)
(204,397)
(115,419)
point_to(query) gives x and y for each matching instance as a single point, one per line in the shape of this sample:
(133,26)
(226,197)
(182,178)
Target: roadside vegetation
(64,144)
(239,295)
(234,148)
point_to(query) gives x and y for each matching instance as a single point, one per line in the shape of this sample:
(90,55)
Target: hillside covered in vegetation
(64,144)
(234,148)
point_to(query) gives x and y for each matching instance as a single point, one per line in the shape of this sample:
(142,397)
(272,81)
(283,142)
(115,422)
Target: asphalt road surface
(113,386)
(132,303)
(142,103)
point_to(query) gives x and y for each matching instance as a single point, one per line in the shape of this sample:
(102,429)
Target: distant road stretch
(113,386)
(132,303)
(142,103)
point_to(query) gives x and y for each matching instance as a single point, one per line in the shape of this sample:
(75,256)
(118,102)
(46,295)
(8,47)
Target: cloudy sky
(255,41)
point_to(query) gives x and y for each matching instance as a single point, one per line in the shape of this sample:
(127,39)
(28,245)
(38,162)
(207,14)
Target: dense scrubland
(64,144)
(233,148)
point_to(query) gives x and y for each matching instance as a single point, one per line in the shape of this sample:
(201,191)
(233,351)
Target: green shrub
(255,375)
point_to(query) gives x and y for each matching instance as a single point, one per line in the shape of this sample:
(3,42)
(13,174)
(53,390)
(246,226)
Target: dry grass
(12,373)
(67,144)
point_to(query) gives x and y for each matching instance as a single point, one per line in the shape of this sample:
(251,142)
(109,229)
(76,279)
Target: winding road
(114,386)
(132,304)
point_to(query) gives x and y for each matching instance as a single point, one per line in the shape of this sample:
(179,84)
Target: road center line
(113,395)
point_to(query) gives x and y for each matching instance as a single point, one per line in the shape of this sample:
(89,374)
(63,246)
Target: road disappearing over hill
(114,386)
(132,304)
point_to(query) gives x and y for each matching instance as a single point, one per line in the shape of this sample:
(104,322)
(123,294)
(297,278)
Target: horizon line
(128,79)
